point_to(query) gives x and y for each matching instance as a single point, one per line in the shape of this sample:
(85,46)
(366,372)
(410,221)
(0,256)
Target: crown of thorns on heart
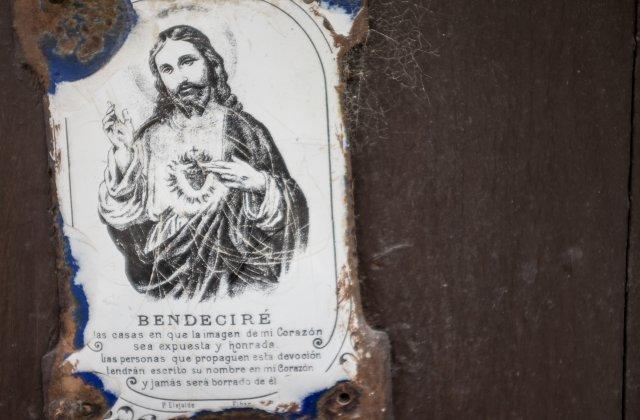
(187,177)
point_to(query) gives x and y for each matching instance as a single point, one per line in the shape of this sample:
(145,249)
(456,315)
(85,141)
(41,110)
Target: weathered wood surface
(28,300)
(632,334)
(491,153)
(491,170)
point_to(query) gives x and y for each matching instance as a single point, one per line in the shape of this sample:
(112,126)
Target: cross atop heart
(188,178)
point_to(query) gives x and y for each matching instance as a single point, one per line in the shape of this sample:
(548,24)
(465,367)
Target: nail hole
(344,398)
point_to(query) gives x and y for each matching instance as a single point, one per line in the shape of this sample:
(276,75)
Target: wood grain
(632,333)
(491,169)
(28,303)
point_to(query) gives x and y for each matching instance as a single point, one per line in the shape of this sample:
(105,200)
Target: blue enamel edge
(350,6)
(81,316)
(68,68)
(93,380)
(81,313)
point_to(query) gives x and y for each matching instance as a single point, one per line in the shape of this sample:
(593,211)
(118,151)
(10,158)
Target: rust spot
(373,379)
(76,29)
(287,408)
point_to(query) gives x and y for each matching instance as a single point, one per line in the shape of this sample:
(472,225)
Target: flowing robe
(184,233)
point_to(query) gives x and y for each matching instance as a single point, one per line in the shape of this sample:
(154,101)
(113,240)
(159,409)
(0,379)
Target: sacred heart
(188,179)
(195,175)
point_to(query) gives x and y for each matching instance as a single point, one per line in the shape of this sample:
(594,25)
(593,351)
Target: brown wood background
(492,152)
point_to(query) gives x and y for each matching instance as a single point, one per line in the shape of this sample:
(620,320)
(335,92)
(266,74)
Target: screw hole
(344,398)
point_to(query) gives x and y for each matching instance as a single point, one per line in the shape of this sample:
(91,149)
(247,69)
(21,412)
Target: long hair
(221,92)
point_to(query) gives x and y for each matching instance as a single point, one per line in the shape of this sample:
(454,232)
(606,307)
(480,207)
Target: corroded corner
(135,273)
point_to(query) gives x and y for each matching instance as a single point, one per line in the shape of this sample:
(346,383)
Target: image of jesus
(198,199)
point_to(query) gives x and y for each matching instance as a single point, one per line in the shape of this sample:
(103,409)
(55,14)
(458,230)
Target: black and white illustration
(198,198)
(201,179)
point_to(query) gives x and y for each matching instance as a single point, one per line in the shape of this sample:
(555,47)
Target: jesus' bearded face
(185,74)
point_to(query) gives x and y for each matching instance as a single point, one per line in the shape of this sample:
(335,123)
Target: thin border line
(326,97)
(295,4)
(66,133)
(343,338)
(333,221)
(314,22)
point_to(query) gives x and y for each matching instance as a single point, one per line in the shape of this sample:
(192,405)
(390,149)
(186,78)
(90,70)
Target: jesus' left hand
(237,174)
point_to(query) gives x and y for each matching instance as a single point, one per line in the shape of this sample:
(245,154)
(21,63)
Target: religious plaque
(201,175)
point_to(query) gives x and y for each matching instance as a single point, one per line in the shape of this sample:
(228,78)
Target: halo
(219,33)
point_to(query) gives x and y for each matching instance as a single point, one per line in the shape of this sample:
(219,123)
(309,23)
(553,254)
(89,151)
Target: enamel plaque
(201,177)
